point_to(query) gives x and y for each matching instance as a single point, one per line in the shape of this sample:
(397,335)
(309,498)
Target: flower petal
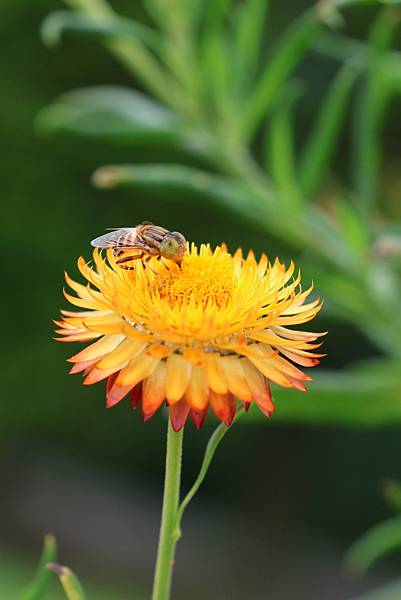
(138,369)
(106,344)
(179,412)
(224,406)
(198,390)
(215,374)
(154,389)
(235,378)
(178,377)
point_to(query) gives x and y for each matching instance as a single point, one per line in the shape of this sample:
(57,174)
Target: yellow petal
(178,376)
(127,350)
(110,323)
(103,346)
(235,378)
(198,389)
(215,374)
(154,389)
(138,369)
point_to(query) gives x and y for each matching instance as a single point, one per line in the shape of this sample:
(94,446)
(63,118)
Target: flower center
(201,279)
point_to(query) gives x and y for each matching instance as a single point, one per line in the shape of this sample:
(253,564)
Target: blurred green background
(283,500)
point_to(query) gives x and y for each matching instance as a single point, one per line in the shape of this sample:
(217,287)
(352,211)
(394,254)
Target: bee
(145,241)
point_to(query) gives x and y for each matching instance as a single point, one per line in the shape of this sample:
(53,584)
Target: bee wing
(119,237)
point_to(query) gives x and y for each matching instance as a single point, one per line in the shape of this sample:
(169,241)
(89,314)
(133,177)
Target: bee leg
(147,265)
(128,258)
(165,265)
(120,261)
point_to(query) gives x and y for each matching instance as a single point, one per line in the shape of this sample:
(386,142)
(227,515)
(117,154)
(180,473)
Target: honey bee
(145,241)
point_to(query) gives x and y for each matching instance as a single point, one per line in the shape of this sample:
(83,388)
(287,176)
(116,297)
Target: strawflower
(208,332)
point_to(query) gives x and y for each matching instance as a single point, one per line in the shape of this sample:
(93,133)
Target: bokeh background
(282,502)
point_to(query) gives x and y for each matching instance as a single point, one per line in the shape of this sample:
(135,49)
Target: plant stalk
(168,534)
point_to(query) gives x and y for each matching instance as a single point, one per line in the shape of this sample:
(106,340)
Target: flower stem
(211,448)
(168,534)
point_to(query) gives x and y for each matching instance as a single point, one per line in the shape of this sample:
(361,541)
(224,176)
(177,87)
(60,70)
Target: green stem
(135,57)
(211,448)
(168,538)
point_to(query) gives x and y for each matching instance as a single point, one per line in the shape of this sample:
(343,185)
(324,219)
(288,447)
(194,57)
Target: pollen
(202,279)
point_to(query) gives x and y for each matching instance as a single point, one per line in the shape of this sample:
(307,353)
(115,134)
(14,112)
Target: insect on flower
(145,241)
(216,330)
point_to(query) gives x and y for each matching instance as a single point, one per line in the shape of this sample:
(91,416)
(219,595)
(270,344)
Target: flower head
(207,332)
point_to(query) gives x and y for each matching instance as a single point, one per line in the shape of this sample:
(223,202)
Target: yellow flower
(208,332)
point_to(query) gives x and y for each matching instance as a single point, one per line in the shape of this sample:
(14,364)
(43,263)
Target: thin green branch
(288,52)
(370,111)
(37,587)
(211,448)
(135,57)
(281,151)
(321,143)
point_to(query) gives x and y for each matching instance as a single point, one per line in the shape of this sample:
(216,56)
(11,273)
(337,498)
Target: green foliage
(391,591)
(288,52)
(39,584)
(378,542)
(280,149)
(365,395)
(112,113)
(373,545)
(215,89)
(71,585)
(321,145)
(371,110)
(64,21)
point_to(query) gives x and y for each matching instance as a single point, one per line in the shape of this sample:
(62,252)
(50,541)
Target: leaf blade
(39,583)
(63,21)
(111,112)
(320,146)
(71,584)
(381,540)
(289,50)
(364,396)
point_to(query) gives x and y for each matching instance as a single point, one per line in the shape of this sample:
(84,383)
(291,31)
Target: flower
(207,332)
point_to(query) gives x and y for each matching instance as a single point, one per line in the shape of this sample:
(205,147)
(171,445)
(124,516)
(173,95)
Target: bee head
(173,246)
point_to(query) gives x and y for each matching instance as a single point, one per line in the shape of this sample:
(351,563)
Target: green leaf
(113,113)
(370,111)
(381,540)
(38,585)
(348,3)
(392,493)
(71,585)
(133,54)
(353,227)
(215,13)
(249,26)
(64,21)
(280,148)
(289,50)
(322,141)
(367,395)
(342,48)
(217,70)
(193,183)
(391,591)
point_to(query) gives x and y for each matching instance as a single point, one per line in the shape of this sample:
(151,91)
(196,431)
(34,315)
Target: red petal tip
(198,417)
(147,416)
